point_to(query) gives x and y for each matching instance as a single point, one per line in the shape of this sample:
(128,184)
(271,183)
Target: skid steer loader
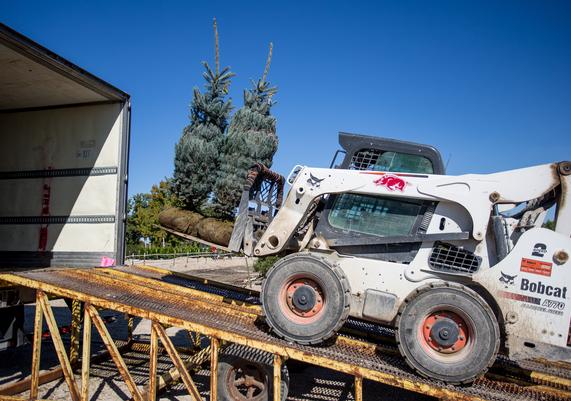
(459,265)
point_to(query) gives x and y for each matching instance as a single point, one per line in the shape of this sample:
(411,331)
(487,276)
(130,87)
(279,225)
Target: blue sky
(486,82)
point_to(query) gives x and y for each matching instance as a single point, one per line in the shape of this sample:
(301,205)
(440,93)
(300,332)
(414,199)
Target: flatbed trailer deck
(189,303)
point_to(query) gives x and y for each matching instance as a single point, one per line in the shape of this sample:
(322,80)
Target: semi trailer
(63,168)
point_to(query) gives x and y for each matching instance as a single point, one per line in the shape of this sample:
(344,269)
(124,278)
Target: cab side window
(374,215)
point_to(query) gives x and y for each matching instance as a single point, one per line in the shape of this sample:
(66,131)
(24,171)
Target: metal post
(215,346)
(59,347)
(114,353)
(178,362)
(86,355)
(130,325)
(197,339)
(358,388)
(277,377)
(173,374)
(37,348)
(152,390)
(75,331)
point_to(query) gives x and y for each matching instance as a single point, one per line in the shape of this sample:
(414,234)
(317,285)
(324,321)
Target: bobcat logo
(507,279)
(314,181)
(391,182)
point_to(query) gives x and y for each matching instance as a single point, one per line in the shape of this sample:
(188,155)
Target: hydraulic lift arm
(476,193)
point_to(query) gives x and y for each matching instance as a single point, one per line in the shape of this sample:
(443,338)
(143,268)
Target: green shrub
(549,224)
(264,264)
(166,252)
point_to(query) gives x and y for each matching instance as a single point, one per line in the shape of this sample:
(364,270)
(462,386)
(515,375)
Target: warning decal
(536,267)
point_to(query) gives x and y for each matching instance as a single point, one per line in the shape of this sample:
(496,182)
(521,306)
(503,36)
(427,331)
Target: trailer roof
(32,76)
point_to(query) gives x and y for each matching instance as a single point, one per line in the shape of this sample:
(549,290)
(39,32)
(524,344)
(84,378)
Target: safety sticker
(536,267)
(520,297)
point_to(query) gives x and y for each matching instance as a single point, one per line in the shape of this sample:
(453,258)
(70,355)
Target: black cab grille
(450,258)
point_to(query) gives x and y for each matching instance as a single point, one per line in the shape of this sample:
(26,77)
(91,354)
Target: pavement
(307,383)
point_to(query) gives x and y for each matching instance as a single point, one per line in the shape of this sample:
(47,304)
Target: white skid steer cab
(460,265)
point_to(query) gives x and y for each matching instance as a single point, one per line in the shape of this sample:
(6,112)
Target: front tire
(448,332)
(305,299)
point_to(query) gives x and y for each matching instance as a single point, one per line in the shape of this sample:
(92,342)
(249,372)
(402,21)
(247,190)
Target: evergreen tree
(142,214)
(251,139)
(197,154)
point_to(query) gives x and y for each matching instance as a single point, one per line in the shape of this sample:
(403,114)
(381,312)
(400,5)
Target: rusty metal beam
(53,373)
(114,352)
(178,362)
(130,327)
(59,347)
(277,378)
(153,354)
(173,374)
(75,331)
(250,308)
(25,384)
(159,291)
(197,340)
(14,398)
(217,284)
(86,354)
(214,347)
(37,347)
(358,388)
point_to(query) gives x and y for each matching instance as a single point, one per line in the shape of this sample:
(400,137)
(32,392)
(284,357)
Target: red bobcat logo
(391,182)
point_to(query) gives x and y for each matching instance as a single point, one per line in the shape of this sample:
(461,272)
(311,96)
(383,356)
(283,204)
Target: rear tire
(448,332)
(246,374)
(305,299)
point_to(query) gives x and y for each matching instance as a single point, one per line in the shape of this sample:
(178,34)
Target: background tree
(142,215)
(197,154)
(549,224)
(251,139)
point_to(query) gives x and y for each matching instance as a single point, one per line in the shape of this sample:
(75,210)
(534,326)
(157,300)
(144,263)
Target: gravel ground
(306,382)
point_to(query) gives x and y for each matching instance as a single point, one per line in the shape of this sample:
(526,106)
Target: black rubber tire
(484,331)
(336,292)
(237,357)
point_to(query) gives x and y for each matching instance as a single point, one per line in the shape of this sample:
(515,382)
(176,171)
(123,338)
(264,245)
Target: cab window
(374,215)
(377,160)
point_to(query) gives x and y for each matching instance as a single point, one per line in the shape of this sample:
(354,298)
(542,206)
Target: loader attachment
(261,199)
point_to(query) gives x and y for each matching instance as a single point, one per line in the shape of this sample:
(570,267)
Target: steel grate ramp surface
(155,299)
(368,328)
(239,294)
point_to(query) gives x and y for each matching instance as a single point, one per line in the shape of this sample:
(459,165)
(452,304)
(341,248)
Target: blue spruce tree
(251,139)
(197,154)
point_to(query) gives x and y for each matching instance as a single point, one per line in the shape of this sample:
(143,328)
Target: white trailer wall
(60,184)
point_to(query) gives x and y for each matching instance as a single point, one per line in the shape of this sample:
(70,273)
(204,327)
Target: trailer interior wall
(63,159)
(58,195)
